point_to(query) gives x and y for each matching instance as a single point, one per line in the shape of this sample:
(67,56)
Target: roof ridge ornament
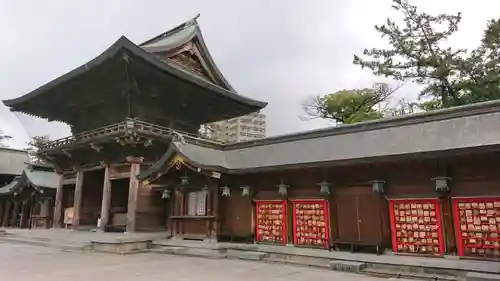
(191,22)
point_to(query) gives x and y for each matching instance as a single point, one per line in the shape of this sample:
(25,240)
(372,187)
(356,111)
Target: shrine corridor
(21,262)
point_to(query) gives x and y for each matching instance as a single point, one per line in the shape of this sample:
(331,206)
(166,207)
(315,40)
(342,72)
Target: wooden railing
(128,127)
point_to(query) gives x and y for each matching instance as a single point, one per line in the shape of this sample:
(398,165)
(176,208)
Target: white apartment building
(243,128)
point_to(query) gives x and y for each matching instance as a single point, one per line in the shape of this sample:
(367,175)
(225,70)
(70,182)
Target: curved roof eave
(124,43)
(210,60)
(8,188)
(167,156)
(197,164)
(41,179)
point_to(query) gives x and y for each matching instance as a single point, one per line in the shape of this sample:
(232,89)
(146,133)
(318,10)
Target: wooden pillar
(176,212)
(133,193)
(171,212)
(106,199)
(77,205)
(208,211)
(5,219)
(215,212)
(182,211)
(45,208)
(15,211)
(58,215)
(45,212)
(2,210)
(24,213)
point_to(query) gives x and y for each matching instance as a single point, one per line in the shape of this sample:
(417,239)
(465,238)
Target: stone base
(347,266)
(246,255)
(121,247)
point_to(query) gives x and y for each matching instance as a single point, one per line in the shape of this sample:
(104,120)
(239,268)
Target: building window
(197,203)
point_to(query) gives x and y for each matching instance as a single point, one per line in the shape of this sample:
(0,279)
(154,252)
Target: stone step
(299,261)
(398,279)
(168,250)
(246,255)
(347,266)
(44,243)
(476,276)
(191,252)
(392,274)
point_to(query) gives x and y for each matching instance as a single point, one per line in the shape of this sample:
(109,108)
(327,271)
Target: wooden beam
(77,206)
(106,199)
(57,221)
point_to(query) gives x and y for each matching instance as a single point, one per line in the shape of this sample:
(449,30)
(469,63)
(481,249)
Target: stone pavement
(23,262)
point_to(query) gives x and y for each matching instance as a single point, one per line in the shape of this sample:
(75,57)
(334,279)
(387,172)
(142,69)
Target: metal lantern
(441,184)
(245,190)
(226,191)
(378,186)
(282,188)
(165,194)
(324,187)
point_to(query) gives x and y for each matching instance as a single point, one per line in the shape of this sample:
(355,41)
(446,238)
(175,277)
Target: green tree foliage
(34,146)
(480,76)
(350,106)
(416,52)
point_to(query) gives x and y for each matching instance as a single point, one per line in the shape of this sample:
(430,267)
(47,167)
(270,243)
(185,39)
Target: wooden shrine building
(424,184)
(124,108)
(28,200)
(12,163)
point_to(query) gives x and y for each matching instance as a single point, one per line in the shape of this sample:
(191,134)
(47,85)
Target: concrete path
(31,263)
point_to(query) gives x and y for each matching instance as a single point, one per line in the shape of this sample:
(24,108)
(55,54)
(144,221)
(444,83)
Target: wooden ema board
(271,221)
(477,226)
(311,222)
(416,226)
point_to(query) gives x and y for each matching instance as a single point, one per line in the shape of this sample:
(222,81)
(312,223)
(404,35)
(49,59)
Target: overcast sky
(279,51)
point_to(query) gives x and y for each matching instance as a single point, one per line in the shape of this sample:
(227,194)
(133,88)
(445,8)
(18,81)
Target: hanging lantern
(165,194)
(226,191)
(245,190)
(441,184)
(324,187)
(282,188)
(378,186)
(184,180)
